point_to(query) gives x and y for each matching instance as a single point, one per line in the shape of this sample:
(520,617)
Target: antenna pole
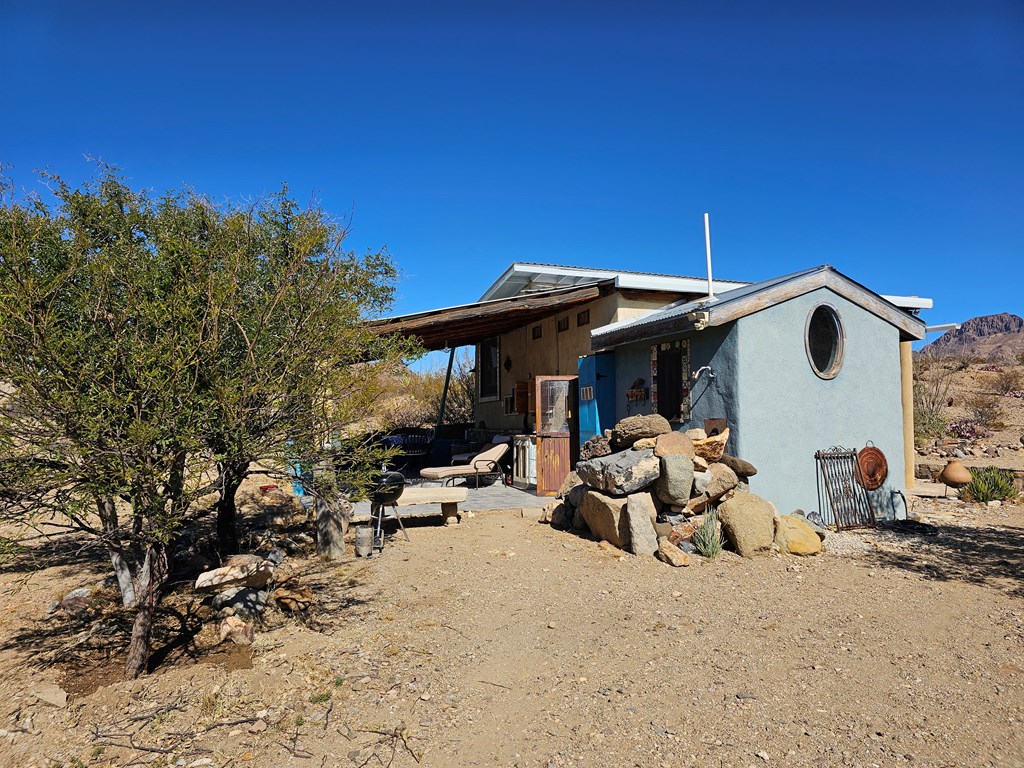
(707,246)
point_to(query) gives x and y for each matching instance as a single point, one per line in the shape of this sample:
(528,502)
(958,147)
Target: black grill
(388,488)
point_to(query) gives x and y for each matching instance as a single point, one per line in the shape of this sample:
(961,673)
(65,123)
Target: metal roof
(746,300)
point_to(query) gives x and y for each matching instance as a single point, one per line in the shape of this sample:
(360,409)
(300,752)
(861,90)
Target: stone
(698,520)
(621,473)
(644,443)
(571,481)
(245,573)
(712,448)
(696,434)
(723,480)
(662,529)
(675,481)
(748,524)
(293,598)
(793,534)
(561,517)
(673,444)
(578,523)
(739,466)
(52,695)
(645,500)
(671,554)
(682,532)
(633,428)
(237,631)
(814,520)
(594,447)
(244,602)
(642,538)
(575,497)
(604,516)
(700,464)
(701,481)
(549,509)
(697,504)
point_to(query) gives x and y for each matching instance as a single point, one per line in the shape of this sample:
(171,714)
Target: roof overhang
(472,323)
(730,306)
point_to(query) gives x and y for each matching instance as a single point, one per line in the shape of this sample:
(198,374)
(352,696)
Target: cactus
(989,484)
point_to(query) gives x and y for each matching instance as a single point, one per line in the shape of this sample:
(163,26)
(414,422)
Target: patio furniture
(484,463)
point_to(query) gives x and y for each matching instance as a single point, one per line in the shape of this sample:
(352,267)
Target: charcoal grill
(386,492)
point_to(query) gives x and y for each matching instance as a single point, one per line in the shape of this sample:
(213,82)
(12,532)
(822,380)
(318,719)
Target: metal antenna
(707,246)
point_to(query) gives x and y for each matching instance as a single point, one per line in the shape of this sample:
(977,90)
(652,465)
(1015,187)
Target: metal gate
(849,505)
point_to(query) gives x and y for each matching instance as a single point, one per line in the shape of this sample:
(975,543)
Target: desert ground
(503,642)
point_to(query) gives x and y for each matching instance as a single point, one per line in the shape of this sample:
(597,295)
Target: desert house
(791,365)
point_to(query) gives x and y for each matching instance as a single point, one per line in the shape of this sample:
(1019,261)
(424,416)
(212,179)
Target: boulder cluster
(646,489)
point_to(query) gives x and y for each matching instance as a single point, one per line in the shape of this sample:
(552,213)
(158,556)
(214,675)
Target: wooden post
(907,392)
(331,526)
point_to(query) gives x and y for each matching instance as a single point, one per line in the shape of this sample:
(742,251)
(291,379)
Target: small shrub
(984,409)
(1018,393)
(989,484)
(968,429)
(707,538)
(991,368)
(1007,381)
(320,698)
(961,362)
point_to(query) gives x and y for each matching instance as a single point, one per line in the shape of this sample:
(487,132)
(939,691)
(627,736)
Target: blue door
(597,394)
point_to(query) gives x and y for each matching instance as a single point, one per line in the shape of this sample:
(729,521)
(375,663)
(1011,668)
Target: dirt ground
(502,642)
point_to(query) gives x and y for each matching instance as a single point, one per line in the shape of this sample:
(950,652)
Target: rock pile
(646,489)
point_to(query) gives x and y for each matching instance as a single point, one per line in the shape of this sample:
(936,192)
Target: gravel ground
(502,642)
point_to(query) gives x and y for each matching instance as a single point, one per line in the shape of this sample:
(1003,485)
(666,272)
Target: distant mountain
(999,335)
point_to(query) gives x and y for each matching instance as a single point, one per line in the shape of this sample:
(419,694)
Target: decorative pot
(955,474)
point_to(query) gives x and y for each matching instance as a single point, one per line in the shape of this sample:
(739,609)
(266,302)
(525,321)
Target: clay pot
(955,474)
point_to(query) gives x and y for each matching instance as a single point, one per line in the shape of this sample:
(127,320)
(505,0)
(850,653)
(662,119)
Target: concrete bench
(447,497)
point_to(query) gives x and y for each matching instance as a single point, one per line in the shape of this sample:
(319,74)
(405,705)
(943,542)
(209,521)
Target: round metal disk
(873,467)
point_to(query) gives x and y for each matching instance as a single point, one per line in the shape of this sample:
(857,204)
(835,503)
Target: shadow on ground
(988,556)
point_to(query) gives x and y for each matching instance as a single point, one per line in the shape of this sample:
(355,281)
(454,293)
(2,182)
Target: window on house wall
(823,340)
(488,359)
(538,331)
(583,318)
(563,324)
(670,379)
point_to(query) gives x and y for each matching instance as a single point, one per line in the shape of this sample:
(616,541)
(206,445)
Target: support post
(907,395)
(444,392)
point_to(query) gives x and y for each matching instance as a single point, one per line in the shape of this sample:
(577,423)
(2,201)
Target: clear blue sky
(884,138)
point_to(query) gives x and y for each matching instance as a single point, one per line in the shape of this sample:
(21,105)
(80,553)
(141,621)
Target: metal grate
(849,505)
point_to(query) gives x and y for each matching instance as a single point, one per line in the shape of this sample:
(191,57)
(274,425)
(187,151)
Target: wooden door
(557,430)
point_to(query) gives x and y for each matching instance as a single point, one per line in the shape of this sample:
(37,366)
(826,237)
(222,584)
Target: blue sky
(886,139)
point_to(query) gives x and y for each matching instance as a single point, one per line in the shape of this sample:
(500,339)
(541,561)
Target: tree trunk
(227,530)
(154,574)
(331,526)
(122,565)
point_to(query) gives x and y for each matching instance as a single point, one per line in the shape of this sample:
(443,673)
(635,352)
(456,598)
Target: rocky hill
(989,336)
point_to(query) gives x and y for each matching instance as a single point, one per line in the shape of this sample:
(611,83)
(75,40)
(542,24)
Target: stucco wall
(788,412)
(715,397)
(553,353)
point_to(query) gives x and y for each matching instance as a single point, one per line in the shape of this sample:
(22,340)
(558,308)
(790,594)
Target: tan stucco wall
(554,353)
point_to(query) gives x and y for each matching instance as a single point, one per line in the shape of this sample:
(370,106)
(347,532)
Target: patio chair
(484,463)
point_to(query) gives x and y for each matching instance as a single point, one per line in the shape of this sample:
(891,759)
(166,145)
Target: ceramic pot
(955,474)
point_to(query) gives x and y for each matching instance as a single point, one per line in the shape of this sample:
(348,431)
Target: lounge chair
(484,463)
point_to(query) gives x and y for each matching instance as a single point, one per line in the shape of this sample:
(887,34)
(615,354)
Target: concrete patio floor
(483,499)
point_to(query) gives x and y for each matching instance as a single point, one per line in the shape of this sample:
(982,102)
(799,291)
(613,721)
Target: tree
(147,344)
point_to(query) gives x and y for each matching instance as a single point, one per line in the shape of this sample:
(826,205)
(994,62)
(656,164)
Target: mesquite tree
(147,345)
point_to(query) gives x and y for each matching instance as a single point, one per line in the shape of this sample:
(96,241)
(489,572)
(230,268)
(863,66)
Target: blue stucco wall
(788,412)
(716,397)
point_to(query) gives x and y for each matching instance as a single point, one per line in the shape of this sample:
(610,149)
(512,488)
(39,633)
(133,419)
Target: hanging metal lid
(872,467)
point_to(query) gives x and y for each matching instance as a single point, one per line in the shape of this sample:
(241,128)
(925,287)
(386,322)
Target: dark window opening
(538,331)
(563,324)
(825,341)
(583,318)
(488,360)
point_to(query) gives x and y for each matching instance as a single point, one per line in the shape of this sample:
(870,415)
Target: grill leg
(401,525)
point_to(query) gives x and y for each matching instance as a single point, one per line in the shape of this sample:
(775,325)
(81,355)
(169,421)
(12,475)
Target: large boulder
(673,444)
(642,538)
(241,571)
(793,534)
(621,473)
(675,482)
(712,448)
(594,447)
(722,479)
(748,522)
(739,466)
(606,518)
(633,428)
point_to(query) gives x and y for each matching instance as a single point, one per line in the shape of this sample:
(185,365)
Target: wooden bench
(447,497)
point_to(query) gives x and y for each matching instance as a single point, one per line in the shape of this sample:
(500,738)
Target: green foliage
(707,537)
(989,484)
(984,409)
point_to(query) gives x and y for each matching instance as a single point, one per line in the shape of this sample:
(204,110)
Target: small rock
(762,755)
(258,727)
(53,695)
(645,443)
(696,434)
(633,428)
(244,574)
(237,631)
(712,448)
(671,554)
(293,598)
(739,466)
(673,444)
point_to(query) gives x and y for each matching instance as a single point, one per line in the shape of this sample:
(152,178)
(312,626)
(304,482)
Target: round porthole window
(824,341)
